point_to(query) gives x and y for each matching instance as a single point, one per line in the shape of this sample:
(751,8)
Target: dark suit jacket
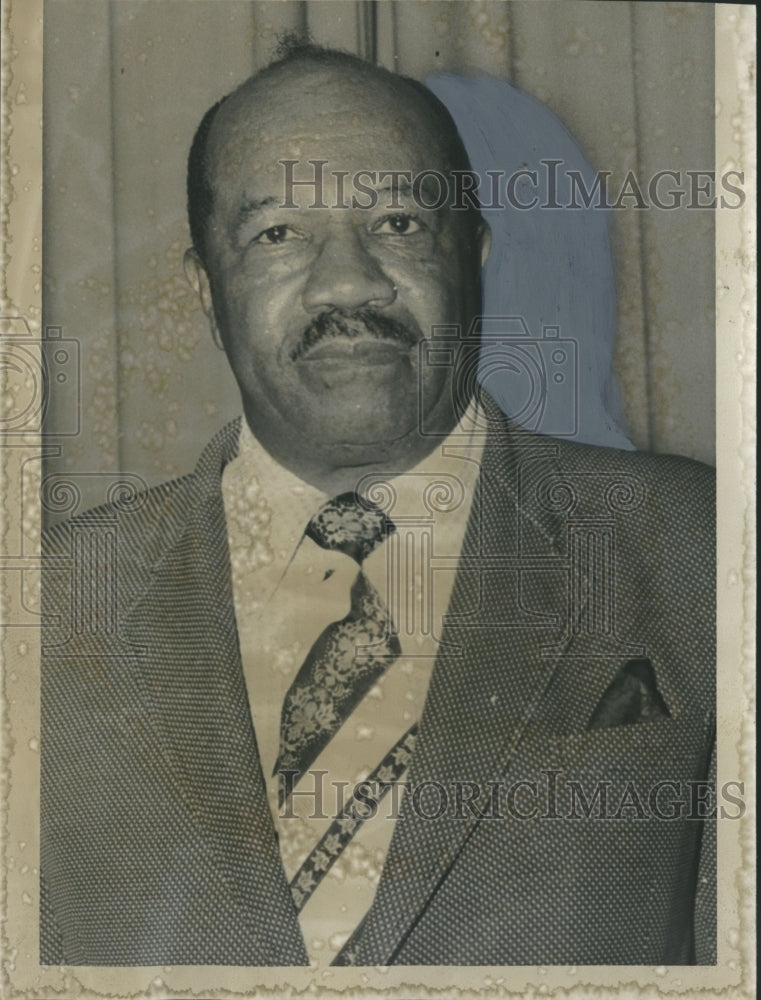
(157,842)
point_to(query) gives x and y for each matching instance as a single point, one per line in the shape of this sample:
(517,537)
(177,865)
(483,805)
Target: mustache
(356,325)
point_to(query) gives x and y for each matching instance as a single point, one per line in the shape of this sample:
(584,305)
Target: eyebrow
(250,208)
(401,188)
(402,185)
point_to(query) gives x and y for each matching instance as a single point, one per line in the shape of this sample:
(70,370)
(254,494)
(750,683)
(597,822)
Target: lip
(357,352)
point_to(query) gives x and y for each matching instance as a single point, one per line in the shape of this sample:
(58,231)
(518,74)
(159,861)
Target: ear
(483,239)
(198,279)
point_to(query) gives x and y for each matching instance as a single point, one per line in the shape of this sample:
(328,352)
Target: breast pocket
(647,763)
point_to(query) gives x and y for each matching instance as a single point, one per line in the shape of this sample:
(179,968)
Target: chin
(366,450)
(372,431)
(376,440)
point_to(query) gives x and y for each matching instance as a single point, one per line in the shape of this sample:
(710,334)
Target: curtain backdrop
(125,85)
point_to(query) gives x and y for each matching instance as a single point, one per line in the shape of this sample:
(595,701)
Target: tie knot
(350,524)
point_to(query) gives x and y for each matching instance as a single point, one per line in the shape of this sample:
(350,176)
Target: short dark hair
(291,50)
(200,192)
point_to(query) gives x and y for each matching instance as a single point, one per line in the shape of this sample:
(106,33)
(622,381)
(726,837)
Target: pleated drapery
(125,84)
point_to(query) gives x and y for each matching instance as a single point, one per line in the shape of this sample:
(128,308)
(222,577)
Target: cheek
(248,301)
(264,294)
(439,275)
(432,292)
(248,328)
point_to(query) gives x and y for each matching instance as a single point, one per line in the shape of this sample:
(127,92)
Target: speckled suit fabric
(157,844)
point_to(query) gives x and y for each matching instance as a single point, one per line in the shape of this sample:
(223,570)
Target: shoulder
(106,554)
(679,490)
(145,521)
(132,517)
(119,543)
(663,508)
(690,485)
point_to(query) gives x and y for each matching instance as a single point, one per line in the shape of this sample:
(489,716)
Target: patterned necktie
(350,655)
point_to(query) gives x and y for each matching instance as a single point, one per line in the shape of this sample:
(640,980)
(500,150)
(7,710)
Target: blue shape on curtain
(549,286)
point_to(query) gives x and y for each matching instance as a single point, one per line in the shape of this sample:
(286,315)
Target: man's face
(321,310)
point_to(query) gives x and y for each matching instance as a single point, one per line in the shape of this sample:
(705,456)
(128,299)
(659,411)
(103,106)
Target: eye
(398,225)
(276,235)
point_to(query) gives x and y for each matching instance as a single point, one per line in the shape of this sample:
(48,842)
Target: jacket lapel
(479,700)
(192,680)
(509,616)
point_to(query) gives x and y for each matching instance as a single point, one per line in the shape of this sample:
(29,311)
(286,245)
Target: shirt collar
(268,506)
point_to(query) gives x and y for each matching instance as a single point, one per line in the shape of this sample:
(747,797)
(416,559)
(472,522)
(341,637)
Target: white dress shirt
(287,589)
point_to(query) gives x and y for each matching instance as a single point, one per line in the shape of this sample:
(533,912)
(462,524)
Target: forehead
(353,120)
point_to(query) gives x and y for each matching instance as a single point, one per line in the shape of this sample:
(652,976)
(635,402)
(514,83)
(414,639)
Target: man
(275,634)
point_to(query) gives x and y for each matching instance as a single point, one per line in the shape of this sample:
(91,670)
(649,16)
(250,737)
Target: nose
(345,276)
